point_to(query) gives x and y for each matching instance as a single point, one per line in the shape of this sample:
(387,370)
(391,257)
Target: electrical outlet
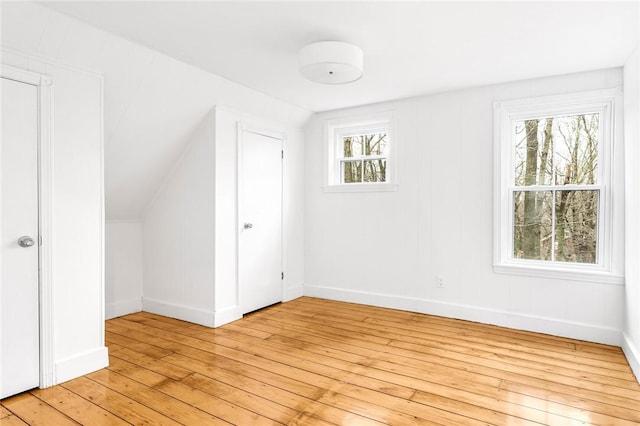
(440,281)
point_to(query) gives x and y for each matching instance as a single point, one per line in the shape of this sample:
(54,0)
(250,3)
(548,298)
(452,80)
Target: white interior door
(19,329)
(260,214)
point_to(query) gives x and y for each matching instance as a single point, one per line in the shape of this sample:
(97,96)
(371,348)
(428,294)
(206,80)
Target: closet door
(19,322)
(260,209)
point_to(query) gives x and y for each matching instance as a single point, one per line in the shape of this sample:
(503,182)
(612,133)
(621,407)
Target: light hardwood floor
(318,362)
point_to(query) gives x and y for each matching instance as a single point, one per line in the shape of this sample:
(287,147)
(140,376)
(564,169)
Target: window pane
(576,153)
(367,144)
(576,226)
(351,146)
(532,224)
(375,170)
(533,152)
(351,171)
(375,144)
(566,146)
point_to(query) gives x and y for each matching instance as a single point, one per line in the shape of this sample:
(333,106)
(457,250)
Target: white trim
(293,292)
(632,354)
(102,222)
(505,113)
(186,313)
(545,271)
(45,166)
(122,221)
(246,127)
(238,207)
(361,187)
(227,315)
(53,61)
(81,364)
(123,307)
(45,215)
(556,327)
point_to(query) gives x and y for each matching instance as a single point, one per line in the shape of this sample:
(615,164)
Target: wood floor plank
(319,413)
(116,403)
(414,334)
(4,412)
(13,420)
(319,362)
(34,411)
(250,401)
(214,405)
(176,409)
(76,407)
(288,325)
(315,307)
(480,399)
(168,370)
(507,354)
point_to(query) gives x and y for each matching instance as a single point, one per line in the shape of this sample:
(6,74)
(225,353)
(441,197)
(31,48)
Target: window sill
(361,187)
(572,274)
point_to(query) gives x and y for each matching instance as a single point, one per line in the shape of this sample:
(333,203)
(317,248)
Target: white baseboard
(123,307)
(185,313)
(574,330)
(292,292)
(226,315)
(81,364)
(633,355)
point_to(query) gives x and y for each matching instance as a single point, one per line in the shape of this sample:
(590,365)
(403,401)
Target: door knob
(25,241)
(248,225)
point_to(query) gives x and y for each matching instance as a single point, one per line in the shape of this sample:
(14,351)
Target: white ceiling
(411,48)
(152,103)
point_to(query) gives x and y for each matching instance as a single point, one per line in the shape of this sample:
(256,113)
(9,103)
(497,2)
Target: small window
(360,154)
(554,179)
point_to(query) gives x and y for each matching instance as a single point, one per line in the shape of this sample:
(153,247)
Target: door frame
(45,214)
(282,137)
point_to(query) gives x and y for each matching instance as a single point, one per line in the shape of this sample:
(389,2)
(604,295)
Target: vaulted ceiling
(410,48)
(194,52)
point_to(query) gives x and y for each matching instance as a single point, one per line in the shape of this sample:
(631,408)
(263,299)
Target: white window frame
(336,129)
(506,114)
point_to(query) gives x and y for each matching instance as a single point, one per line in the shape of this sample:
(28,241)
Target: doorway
(260,273)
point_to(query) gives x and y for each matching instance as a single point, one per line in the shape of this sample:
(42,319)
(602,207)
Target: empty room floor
(319,362)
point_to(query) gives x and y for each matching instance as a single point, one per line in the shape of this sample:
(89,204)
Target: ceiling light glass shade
(331,62)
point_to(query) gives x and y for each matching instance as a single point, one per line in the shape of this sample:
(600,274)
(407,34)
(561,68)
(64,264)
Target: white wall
(153,104)
(190,227)
(178,235)
(77,218)
(386,248)
(123,268)
(631,340)
(227,303)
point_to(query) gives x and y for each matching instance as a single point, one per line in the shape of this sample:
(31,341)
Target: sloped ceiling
(411,48)
(244,55)
(152,103)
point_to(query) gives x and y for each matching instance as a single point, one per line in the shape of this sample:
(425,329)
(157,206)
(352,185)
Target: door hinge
(282,276)
(282,154)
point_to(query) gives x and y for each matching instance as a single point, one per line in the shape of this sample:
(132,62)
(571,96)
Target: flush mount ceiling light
(331,62)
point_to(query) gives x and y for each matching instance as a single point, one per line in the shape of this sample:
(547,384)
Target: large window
(553,183)
(360,154)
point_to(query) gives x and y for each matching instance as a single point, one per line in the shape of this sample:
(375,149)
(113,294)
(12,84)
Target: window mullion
(553,225)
